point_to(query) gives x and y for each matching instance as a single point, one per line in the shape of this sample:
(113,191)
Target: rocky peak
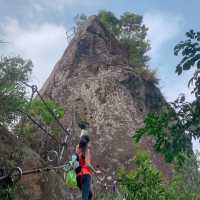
(92,49)
(95,85)
(95,44)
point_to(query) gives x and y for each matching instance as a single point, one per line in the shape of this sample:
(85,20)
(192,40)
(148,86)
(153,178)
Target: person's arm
(88,162)
(92,168)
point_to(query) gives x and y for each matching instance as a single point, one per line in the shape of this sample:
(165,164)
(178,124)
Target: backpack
(70,179)
(70,175)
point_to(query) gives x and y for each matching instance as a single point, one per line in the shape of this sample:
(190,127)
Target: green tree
(170,130)
(129,30)
(185,183)
(13,71)
(38,111)
(133,37)
(190,51)
(174,128)
(144,182)
(110,21)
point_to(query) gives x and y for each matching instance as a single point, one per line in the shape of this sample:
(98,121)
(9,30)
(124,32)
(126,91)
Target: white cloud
(61,4)
(43,44)
(58,4)
(162,28)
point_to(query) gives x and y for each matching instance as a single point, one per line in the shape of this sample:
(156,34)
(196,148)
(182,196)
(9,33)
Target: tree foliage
(38,111)
(14,98)
(190,52)
(146,182)
(185,183)
(131,32)
(173,128)
(13,71)
(110,21)
(14,102)
(133,37)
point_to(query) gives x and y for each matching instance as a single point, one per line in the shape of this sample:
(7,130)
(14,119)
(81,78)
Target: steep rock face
(95,84)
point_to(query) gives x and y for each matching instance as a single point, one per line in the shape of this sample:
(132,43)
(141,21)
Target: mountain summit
(95,85)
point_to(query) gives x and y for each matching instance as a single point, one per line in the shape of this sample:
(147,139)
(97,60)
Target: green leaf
(179,70)
(198,64)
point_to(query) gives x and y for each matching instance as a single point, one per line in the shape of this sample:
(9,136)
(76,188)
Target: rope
(40,126)
(45,169)
(35,89)
(66,131)
(16,173)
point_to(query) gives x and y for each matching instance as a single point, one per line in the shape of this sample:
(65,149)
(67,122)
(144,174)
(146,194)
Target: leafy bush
(185,183)
(143,183)
(38,109)
(13,192)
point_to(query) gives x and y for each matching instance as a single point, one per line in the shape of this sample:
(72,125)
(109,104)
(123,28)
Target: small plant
(144,182)
(8,193)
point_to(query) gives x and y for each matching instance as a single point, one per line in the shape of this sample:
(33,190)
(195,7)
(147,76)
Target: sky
(36,30)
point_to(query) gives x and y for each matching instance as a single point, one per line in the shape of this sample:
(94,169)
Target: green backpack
(70,179)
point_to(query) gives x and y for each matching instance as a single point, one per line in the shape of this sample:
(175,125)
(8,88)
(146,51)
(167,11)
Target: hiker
(83,172)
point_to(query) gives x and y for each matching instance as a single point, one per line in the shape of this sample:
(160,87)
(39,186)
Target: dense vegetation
(130,31)
(15,107)
(14,98)
(174,128)
(13,71)
(147,183)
